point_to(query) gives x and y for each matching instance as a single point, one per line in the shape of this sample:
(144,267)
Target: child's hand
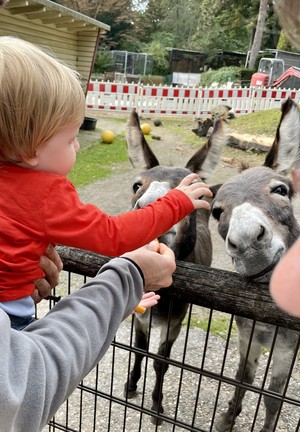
(149,299)
(195,189)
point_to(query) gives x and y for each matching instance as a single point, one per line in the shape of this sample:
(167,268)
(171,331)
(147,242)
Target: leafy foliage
(157,49)
(221,76)
(284,44)
(118,14)
(207,26)
(152,80)
(224,24)
(103,62)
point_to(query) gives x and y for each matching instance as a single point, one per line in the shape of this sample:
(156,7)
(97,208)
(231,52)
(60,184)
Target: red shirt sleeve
(70,222)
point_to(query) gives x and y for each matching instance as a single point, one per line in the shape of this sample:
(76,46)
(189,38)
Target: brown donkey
(189,239)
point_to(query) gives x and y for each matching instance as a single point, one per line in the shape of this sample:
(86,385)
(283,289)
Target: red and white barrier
(112,96)
(199,102)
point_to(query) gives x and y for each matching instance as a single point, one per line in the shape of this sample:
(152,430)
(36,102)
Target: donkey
(255,218)
(189,239)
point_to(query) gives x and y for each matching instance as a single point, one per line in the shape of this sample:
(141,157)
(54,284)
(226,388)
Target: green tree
(180,19)
(206,25)
(103,61)
(149,21)
(284,44)
(157,49)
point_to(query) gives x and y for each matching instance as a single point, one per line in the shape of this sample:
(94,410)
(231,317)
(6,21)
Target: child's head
(39,96)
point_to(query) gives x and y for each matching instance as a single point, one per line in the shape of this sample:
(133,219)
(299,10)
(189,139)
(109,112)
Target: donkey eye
(136,186)
(216,212)
(280,190)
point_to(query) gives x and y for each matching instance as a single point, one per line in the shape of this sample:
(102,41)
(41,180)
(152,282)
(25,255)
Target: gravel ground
(113,196)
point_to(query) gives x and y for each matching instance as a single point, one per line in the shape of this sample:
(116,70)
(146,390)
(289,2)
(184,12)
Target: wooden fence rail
(204,286)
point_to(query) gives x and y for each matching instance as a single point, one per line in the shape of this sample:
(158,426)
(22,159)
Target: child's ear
(32,162)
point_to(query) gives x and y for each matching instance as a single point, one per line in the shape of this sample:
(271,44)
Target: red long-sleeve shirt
(39,208)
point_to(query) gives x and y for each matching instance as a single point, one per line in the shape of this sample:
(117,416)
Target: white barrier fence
(195,102)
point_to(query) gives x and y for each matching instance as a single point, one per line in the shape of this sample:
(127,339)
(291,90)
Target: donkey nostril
(261,233)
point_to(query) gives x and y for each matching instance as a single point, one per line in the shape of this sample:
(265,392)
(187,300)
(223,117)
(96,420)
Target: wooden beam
(56,19)
(204,286)
(16,3)
(64,21)
(77,28)
(29,7)
(45,13)
(26,9)
(80,24)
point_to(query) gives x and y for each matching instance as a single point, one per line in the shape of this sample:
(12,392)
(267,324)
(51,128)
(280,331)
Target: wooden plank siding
(74,47)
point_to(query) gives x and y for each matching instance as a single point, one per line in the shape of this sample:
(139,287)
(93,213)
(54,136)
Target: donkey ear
(214,189)
(285,149)
(139,153)
(206,159)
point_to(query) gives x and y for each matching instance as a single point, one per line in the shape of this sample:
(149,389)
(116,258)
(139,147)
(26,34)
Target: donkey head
(156,181)
(254,208)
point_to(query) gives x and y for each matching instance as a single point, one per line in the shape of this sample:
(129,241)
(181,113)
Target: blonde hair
(39,95)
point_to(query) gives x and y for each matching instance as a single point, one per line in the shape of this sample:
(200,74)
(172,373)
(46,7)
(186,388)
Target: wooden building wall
(74,48)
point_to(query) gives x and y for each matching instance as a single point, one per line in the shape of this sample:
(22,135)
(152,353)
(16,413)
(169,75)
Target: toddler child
(42,106)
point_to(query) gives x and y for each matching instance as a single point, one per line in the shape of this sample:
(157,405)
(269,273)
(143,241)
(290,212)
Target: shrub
(226,74)
(152,80)
(103,62)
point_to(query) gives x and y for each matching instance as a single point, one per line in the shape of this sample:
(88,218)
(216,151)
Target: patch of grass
(183,127)
(258,123)
(96,161)
(219,325)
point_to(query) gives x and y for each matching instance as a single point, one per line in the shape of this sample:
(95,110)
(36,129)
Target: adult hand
(157,262)
(52,266)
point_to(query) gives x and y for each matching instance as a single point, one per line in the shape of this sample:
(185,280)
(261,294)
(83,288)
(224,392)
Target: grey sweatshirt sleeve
(41,365)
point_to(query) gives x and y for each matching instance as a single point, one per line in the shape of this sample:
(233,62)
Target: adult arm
(41,365)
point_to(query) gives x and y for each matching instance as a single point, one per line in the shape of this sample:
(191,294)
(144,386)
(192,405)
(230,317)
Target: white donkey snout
(249,229)
(155,190)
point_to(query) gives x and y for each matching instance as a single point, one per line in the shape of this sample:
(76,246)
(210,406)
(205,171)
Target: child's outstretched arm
(195,190)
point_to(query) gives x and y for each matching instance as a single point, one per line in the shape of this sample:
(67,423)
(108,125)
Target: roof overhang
(52,13)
